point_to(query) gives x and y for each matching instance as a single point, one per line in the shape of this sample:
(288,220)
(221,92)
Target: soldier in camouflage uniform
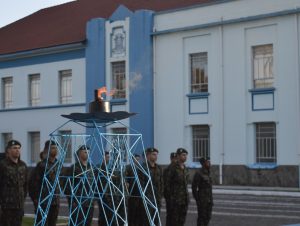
(176,189)
(13,185)
(37,180)
(202,192)
(81,203)
(173,159)
(135,203)
(157,182)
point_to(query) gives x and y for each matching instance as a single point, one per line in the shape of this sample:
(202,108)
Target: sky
(13,10)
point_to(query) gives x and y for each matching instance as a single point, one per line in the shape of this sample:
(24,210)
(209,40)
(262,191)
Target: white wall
(22,121)
(230,117)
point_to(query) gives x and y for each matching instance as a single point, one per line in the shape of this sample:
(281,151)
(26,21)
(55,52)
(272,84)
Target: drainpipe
(222,105)
(298,75)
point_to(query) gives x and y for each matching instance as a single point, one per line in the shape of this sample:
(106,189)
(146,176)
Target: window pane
(118,85)
(66,142)
(65,86)
(201,142)
(34,90)
(266,142)
(121,141)
(7,85)
(5,138)
(34,139)
(199,75)
(263,66)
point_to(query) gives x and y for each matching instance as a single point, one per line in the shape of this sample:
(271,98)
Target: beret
(173,155)
(13,142)
(151,150)
(83,147)
(181,150)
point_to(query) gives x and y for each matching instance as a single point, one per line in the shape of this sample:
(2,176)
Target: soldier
(135,203)
(157,182)
(13,185)
(173,159)
(37,181)
(176,186)
(104,211)
(81,201)
(202,192)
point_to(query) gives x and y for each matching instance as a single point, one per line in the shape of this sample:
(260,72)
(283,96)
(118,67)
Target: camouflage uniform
(13,190)
(35,190)
(157,182)
(167,195)
(177,193)
(110,197)
(202,192)
(81,179)
(135,203)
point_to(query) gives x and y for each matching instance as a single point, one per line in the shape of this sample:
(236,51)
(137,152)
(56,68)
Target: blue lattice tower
(100,181)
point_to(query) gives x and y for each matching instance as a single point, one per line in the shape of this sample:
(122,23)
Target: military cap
(181,150)
(13,142)
(203,160)
(83,148)
(137,155)
(173,155)
(150,150)
(49,143)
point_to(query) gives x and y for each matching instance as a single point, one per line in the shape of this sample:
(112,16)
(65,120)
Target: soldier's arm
(195,185)
(26,182)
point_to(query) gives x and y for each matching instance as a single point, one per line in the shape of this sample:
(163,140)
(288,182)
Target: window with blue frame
(7,92)
(34,89)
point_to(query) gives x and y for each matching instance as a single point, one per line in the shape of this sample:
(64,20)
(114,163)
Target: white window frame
(266,142)
(34,89)
(34,146)
(200,142)
(65,77)
(199,72)
(262,64)
(7,92)
(118,80)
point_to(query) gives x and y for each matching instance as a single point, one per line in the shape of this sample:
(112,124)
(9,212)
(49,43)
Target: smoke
(134,81)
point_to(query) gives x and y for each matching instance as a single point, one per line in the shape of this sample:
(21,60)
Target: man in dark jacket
(37,178)
(176,185)
(13,185)
(80,192)
(202,192)
(173,159)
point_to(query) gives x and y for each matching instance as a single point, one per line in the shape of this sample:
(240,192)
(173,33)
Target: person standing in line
(157,182)
(173,159)
(37,177)
(13,185)
(81,201)
(176,185)
(135,203)
(202,192)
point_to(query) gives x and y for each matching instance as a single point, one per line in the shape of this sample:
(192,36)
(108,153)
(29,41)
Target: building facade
(233,81)
(219,78)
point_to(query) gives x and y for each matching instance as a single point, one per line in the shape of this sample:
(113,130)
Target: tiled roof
(66,23)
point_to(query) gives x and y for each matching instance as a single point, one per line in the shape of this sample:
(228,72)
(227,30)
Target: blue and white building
(219,78)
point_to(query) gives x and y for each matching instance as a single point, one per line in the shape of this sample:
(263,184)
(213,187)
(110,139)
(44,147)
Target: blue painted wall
(95,64)
(141,63)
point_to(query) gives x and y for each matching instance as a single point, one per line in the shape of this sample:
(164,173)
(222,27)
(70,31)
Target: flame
(101,91)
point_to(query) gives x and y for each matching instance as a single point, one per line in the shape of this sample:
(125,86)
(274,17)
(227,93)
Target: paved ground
(238,206)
